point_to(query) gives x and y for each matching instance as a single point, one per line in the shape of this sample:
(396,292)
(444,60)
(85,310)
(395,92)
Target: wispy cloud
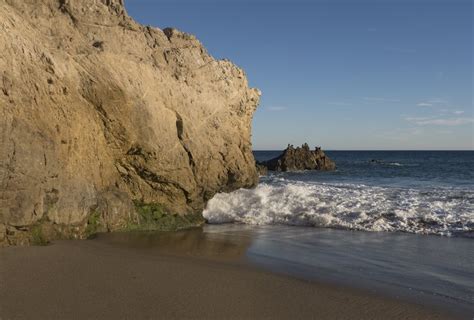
(437,101)
(424,104)
(441,106)
(378,99)
(412,119)
(276,108)
(433,102)
(426,121)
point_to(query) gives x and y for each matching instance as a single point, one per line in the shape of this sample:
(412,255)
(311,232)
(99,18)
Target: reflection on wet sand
(382,262)
(193,242)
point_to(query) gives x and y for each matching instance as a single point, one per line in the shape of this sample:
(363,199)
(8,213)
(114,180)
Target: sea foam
(347,206)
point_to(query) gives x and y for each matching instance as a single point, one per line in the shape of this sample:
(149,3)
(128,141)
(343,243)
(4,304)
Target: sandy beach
(236,159)
(96,279)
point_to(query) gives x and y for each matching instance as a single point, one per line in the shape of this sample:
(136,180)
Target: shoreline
(181,279)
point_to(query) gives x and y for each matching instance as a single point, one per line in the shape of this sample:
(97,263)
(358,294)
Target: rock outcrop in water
(97,111)
(300,158)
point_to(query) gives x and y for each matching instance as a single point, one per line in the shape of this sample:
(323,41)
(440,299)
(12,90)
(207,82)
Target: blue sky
(342,74)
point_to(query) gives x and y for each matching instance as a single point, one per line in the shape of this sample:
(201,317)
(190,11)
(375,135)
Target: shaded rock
(97,110)
(3,235)
(300,158)
(115,210)
(262,170)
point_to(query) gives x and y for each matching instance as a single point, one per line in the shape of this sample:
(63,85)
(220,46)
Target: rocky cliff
(97,111)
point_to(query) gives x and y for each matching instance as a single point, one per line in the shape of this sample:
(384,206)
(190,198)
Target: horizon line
(435,150)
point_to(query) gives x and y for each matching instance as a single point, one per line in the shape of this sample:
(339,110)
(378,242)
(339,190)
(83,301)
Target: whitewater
(422,193)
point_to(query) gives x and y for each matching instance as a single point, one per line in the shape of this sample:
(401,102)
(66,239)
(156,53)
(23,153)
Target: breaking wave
(347,206)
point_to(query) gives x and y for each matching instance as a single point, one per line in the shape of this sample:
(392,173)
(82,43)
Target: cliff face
(97,110)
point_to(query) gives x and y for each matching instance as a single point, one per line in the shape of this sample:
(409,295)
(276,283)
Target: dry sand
(96,280)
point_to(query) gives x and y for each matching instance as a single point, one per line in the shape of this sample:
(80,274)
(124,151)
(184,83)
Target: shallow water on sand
(429,270)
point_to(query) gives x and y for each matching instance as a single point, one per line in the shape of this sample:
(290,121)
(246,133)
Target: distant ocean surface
(423,192)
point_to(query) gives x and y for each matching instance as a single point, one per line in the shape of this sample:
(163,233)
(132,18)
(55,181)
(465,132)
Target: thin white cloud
(441,106)
(433,102)
(276,108)
(415,119)
(426,121)
(437,101)
(424,104)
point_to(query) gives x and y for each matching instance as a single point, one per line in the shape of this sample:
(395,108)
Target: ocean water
(421,192)
(394,222)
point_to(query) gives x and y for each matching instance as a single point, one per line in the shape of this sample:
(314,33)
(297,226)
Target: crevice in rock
(114,132)
(98,45)
(168,33)
(64,8)
(180,130)
(152,178)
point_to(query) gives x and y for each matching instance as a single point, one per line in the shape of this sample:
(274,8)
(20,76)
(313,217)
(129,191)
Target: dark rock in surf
(376,161)
(300,158)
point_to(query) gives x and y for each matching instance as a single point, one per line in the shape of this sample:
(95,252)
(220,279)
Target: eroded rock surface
(97,110)
(300,158)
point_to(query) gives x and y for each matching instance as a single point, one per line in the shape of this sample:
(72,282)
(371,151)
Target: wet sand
(172,277)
